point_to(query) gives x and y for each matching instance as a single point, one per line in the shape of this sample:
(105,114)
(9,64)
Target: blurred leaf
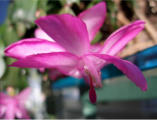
(2,64)
(97,38)
(8,33)
(43,4)
(93,2)
(23,10)
(42,8)
(1,46)
(132,2)
(54,6)
(111,13)
(69,2)
(13,77)
(63,2)
(66,9)
(21,29)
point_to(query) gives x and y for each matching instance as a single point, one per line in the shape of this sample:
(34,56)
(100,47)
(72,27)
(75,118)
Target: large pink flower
(11,107)
(72,53)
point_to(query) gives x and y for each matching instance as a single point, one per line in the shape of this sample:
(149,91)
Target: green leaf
(43,4)
(20,28)
(111,13)
(69,2)
(97,38)
(8,33)
(13,77)
(23,10)
(66,9)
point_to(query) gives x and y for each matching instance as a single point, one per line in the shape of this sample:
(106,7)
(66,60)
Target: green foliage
(8,33)
(111,13)
(97,38)
(23,10)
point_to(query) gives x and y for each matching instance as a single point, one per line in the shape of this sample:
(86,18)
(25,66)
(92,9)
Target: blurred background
(67,97)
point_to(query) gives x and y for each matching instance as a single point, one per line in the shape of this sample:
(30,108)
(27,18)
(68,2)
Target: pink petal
(10,112)
(2,110)
(70,71)
(18,113)
(94,18)
(42,70)
(4,98)
(23,95)
(67,30)
(47,60)
(121,37)
(31,46)
(96,48)
(39,33)
(129,69)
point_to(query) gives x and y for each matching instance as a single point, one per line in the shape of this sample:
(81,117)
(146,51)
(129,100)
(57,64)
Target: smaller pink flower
(11,107)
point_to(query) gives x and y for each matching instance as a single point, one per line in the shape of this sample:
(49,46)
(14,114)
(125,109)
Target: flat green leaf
(23,10)
(8,33)
(66,9)
(97,38)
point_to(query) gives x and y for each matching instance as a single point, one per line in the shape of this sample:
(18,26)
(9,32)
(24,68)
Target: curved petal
(94,18)
(121,37)
(23,96)
(39,33)
(67,30)
(95,48)
(31,46)
(47,60)
(10,112)
(18,113)
(129,69)
(4,98)
(2,110)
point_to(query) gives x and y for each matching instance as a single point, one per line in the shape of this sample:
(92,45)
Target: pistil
(92,93)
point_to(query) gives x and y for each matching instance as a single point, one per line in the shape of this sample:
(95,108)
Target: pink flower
(11,107)
(72,53)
